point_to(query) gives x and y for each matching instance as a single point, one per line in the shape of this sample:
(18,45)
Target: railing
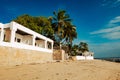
(25,46)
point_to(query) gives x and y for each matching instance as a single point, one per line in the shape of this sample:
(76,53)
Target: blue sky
(97,21)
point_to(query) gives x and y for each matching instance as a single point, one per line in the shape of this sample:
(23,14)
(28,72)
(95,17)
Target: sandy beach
(68,70)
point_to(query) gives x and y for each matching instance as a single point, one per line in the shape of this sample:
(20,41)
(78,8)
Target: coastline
(112,59)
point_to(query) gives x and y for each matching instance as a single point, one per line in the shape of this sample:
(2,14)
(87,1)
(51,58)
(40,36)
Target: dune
(67,70)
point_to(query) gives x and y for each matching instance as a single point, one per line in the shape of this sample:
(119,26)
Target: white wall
(18,36)
(27,39)
(84,58)
(40,43)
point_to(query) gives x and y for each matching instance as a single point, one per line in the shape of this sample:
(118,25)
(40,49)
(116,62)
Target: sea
(112,59)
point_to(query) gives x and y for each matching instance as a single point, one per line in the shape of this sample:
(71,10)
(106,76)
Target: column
(52,45)
(33,41)
(1,35)
(12,39)
(13,31)
(1,32)
(46,46)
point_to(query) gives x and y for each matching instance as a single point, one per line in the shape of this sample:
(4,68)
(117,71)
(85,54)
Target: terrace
(18,36)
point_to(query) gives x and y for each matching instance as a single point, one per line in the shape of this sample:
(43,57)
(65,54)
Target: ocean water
(113,59)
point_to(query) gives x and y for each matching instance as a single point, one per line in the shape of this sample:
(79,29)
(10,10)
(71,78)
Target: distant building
(85,56)
(18,36)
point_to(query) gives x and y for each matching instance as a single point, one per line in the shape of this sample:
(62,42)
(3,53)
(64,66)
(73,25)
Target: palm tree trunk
(60,45)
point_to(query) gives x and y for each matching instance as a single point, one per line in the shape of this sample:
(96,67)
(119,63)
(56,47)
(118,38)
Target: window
(18,40)
(27,41)
(4,37)
(15,39)
(49,45)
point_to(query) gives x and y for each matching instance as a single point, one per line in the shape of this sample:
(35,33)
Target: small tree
(74,50)
(83,47)
(38,24)
(79,49)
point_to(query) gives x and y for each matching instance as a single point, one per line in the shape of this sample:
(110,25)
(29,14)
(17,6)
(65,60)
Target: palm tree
(60,21)
(69,34)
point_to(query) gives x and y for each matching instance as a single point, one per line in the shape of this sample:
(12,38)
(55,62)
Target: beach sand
(68,70)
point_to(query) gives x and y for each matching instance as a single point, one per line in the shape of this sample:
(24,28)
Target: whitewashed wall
(84,58)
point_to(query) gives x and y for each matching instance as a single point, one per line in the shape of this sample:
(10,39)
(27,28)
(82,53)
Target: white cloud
(118,1)
(112,30)
(107,30)
(115,20)
(111,3)
(113,35)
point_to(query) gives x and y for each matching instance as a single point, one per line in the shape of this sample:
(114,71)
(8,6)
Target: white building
(15,35)
(86,56)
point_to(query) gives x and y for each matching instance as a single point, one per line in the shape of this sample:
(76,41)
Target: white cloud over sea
(111,31)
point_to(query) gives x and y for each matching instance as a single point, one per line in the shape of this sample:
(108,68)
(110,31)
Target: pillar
(46,44)
(12,39)
(33,41)
(13,31)
(52,45)
(1,34)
